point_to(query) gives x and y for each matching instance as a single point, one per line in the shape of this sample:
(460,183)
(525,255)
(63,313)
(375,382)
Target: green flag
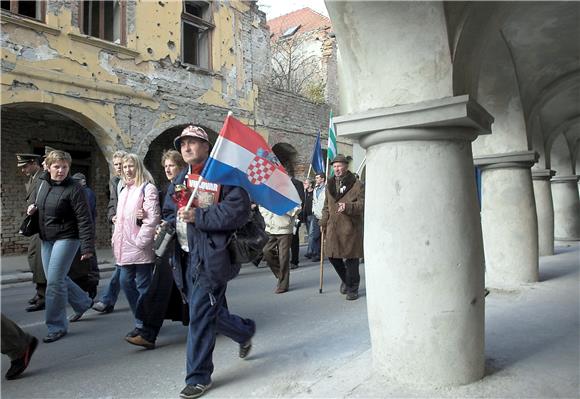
(331,150)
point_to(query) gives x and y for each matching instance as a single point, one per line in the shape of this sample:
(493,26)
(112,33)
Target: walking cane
(321,260)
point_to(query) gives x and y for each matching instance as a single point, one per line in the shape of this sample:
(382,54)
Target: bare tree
(295,68)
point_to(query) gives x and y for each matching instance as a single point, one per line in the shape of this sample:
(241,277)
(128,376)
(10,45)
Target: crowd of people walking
(187,282)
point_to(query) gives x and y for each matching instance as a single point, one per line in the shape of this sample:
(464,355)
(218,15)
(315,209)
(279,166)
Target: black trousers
(348,272)
(295,247)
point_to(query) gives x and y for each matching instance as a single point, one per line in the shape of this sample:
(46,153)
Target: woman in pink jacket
(137,216)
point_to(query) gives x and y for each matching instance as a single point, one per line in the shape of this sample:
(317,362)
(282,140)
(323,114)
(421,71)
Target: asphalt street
(298,336)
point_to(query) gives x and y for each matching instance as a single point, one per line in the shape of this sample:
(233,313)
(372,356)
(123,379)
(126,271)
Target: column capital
(542,174)
(449,118)
(517,159)
(565,179)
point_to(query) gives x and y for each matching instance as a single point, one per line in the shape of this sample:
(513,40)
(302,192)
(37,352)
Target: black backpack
(247,242)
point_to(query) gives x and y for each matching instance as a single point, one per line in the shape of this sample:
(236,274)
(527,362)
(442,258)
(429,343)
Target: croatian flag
(241,157)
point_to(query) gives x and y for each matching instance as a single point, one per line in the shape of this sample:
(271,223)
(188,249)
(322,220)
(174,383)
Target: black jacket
(63,212)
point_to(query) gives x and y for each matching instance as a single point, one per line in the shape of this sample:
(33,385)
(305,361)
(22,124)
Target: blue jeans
(135,280)
(57,257)
(207,317)
(112,293)
(314,238)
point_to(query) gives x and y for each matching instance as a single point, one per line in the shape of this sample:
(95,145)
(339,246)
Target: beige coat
(343,232)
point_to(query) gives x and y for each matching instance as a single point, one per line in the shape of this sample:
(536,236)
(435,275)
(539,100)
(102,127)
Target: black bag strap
(38,192)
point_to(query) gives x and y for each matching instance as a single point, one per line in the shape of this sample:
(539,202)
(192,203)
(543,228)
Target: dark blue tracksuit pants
(207,317)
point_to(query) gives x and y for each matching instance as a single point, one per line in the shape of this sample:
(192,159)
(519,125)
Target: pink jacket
(133,244)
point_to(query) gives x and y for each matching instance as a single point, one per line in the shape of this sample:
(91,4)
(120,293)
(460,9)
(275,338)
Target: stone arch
(561,156)
(287,155)
(498,92)
(101,126)
(29,127)
(164,141)
(174,123)
(562,128)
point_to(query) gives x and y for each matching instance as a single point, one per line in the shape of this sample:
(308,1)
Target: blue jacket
(209,236)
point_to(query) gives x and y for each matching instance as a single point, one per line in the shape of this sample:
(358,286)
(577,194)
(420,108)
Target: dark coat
(306,205)
(343,231)
(113,198)
(63,212)
(209,236)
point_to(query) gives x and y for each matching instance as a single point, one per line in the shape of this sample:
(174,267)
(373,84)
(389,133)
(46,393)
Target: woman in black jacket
(65,225)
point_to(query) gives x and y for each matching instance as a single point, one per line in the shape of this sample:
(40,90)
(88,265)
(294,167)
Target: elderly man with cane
(342,225)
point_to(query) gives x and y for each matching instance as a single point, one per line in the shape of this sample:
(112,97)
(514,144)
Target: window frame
(101,36)
(14,10)
(205,25)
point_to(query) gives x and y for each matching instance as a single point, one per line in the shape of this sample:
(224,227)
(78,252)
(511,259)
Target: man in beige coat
(277,249)
(342,225)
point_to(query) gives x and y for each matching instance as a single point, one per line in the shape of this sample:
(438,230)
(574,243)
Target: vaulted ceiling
(530,47)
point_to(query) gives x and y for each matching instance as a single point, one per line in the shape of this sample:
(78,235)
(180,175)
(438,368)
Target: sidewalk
(14,269)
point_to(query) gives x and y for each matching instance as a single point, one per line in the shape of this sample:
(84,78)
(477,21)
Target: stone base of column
(566,208)
(544,210)
(423,245)
(508,219)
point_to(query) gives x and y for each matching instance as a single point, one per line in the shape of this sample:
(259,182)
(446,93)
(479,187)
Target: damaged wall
(126,96)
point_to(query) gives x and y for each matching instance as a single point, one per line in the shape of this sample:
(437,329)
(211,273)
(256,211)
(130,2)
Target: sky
(275,8)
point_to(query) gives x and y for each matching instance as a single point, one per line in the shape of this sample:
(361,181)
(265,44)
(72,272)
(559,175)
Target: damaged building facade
(96,76)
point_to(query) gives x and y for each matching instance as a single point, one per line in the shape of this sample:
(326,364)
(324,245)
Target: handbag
(30,226)
(247,242)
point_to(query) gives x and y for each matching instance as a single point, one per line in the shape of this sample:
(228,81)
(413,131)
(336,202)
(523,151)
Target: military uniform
(34,255)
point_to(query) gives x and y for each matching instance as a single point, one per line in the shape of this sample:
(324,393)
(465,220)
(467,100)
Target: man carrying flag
(201,264)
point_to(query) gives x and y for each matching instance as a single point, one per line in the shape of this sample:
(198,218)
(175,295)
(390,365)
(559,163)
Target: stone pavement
(14,269)
(323,350)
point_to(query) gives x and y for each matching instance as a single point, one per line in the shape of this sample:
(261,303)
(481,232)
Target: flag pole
(322,232)
(321,261)
(361,166)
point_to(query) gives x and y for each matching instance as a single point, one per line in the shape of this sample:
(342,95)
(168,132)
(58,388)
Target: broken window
(30,9)
(105,19)
(196,28)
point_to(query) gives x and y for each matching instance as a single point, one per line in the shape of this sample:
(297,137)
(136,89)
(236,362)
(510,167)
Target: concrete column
(508,219)
(423,244)
(544,210)
(566,208)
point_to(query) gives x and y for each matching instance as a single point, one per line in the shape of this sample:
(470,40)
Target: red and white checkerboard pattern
(260,170)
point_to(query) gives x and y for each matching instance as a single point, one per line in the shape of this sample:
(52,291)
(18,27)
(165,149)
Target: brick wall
(292,119)
(28,130)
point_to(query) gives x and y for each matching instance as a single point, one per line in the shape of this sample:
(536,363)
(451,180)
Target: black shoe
(308,256)
(194,391)
(315,259)
(351,296)
(140,341)
(17,366)
(36,307)
(34,299)
(343,288)
(53,337)
(133,333)
(245,349)
(293,266)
